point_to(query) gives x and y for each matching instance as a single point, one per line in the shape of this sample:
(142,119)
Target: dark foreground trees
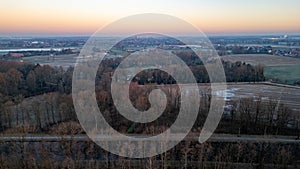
(187,154)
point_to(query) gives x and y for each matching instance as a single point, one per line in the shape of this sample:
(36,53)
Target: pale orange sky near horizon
(84,17)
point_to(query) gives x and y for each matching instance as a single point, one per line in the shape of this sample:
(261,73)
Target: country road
(214,138)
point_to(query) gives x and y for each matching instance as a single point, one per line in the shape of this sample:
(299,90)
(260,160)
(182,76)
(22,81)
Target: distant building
(16,55)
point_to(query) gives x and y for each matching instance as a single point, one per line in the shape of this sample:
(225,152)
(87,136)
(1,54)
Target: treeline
(30,80)
(260,117)
(37,114)
(187,154)
(242,72)
(51,86)
(234,72)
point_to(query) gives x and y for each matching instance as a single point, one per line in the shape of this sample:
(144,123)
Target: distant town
(18,48)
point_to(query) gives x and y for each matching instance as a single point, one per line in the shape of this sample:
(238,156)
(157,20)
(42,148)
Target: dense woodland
(187,154)
(39,97)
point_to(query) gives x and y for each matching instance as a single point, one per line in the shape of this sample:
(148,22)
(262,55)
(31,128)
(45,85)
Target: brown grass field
(267,60)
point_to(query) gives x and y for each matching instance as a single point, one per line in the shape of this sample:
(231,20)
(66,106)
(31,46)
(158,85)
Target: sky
(84,17)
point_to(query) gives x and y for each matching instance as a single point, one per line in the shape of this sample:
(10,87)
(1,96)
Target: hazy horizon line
(20,35)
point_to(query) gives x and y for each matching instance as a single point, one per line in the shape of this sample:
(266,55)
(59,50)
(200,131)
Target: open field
(288,74)
(288,96)
(58,60)
(267,60)
(277,68)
